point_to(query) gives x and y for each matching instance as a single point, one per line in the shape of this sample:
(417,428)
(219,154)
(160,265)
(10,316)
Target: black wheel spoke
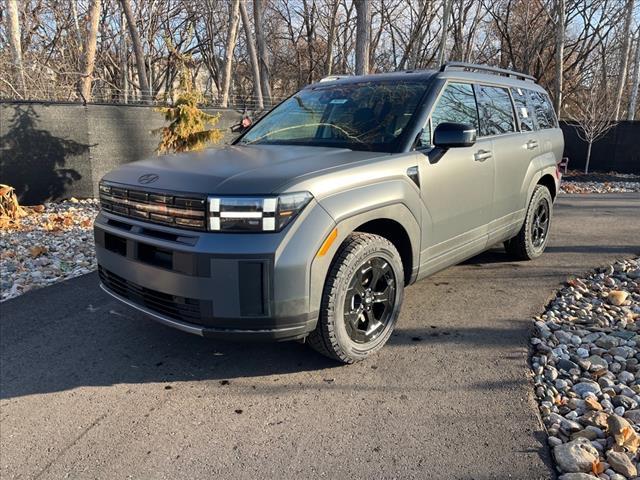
(370,300)
(540,224)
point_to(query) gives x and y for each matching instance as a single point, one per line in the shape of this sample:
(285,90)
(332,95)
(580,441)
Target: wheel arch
(394,222)
(548,181)
(397,235)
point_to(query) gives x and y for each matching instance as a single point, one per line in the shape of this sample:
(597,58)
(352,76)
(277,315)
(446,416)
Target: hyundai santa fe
(310,225)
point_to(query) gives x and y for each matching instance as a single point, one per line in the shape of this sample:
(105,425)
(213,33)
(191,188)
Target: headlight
(255,214)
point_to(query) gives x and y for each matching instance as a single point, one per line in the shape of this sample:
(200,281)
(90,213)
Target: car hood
(236,169)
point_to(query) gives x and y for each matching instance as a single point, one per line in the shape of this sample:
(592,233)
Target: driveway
(91,389)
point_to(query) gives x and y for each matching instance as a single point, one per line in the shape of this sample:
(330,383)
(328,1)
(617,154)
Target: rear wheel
(534,234)
(361,299)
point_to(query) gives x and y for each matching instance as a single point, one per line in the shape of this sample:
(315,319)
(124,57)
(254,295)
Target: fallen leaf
(597,467)
(593,404)
(87,222)
(617,297)
(37,251)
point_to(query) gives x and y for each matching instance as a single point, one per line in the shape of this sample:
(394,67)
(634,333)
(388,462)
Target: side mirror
(454,135)
(242,127)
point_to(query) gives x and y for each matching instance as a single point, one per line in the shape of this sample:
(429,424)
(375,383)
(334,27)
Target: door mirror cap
(454,135)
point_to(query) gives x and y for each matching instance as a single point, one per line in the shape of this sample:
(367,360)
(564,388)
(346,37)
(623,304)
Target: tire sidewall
(360,256)
(540,194)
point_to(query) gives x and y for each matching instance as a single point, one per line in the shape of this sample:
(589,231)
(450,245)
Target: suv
(311,224)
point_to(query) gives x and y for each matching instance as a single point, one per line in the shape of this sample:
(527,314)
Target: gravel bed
(576,182)
(53,243)
(585,361)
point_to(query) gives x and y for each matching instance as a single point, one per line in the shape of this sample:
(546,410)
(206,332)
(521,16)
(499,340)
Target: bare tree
(363,40)
(592,117)
(139,53)
(265,76)
(446,11)
(624,56)
(15,42)
(561,13)
(635,85)
(232,35)
(253,57)
(89,57)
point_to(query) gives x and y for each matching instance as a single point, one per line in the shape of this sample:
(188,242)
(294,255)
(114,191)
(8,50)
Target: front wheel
(361,299)
(534,234)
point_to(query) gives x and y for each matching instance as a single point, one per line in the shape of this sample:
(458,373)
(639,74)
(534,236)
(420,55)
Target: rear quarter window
(543,109)
(495,110)
(523,112)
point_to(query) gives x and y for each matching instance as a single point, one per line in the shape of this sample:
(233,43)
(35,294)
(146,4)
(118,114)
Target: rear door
(457,190)
(515,145)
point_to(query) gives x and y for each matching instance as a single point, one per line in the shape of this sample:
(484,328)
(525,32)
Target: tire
(340,333)
(530,242)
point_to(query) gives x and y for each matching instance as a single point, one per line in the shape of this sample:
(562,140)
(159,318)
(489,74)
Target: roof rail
(486,68)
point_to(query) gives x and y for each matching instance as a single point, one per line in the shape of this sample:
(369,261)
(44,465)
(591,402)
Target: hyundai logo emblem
(148,178)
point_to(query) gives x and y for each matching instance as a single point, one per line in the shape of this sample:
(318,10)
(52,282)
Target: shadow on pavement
(72,334)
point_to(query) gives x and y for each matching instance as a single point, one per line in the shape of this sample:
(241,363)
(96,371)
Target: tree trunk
(633,98)
(145,93)
(309,23)
(262,52)
(624,60)
(560,29)
(232,35)
(124,63)
(445,26)
(253,57)
(363,24)
(89,57)
(331,36)
(586,165)
(16,45)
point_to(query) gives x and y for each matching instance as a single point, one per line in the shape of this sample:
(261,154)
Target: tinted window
(457,104)
(525,117)
(543,109)
(359,116)
(495,111)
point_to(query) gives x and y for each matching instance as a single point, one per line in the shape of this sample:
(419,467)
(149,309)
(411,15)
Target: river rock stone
(620,462)
(633,416)
(586,387)
(575,456)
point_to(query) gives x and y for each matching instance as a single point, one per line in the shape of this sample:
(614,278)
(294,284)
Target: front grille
(175,210)
(190,310)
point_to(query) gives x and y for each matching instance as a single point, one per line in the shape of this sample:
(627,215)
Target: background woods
(250,53)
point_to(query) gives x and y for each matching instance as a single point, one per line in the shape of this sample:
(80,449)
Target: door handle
(482,155)
(531,144)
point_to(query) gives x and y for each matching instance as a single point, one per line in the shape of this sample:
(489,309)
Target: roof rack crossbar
(486,68)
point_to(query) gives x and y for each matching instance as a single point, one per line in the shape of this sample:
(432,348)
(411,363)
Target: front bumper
(242,286)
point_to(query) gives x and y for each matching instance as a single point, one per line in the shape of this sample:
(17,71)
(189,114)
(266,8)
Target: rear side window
(543,109)
(457,104)
(525,117)
(495,111)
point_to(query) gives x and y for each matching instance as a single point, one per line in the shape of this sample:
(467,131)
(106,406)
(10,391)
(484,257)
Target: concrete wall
(55,151)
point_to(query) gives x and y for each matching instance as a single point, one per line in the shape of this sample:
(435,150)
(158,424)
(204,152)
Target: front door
(457,190)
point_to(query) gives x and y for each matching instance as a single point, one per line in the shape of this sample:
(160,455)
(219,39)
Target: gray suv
(311,224)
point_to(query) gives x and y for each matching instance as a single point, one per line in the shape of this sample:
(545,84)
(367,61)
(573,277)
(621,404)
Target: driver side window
(457,104)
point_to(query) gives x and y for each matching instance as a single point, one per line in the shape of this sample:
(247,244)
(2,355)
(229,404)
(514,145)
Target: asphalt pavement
(91,389)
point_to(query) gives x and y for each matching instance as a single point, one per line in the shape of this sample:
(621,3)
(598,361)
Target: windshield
(358,116)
